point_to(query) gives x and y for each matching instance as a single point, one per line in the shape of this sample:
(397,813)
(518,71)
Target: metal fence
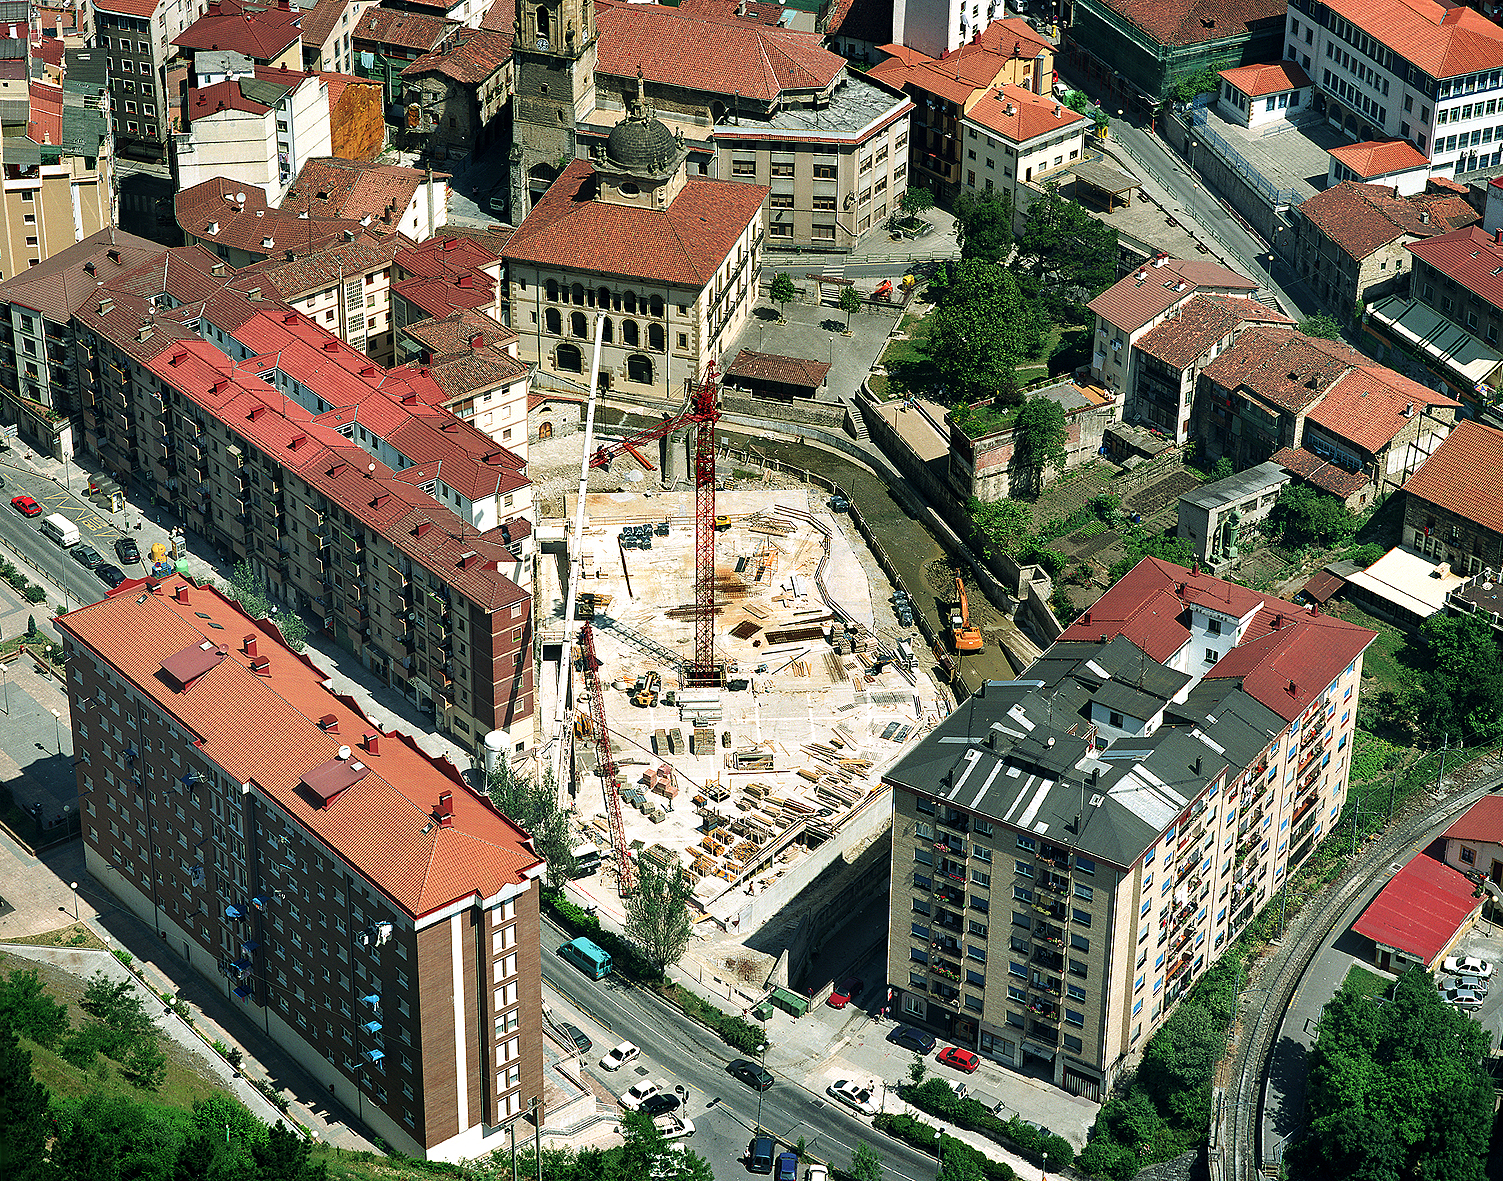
(1265,188)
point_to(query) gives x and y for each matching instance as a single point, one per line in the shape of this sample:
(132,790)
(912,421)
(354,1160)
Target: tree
(1069,256)
(247,591)
(981,329)
(1321,324)
(120,1030)
(535,807)
(24,1122)
(917,1069)
(1223,468)
(957,1161)
(983,224)
(1162,546)
(283,1155)
(1191,86)
(294,630)
(866,1163)
(657,913)
(1007,525)
(1460,692)
(850,303)
(27,1009)
(1040,438)
(916,199)
(783,292)
(1306,516)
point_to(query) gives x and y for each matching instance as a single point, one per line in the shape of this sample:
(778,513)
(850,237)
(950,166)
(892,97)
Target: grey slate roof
(1237,487)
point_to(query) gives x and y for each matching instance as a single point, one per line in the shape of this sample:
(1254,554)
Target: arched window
(629,334)
(552,322)
(545,429)
(603,297)
(639,369)
(608,331)
(630,299)
(577,291)
(578,325)
(655,306)
(552,290)
(569,357)
(655,337)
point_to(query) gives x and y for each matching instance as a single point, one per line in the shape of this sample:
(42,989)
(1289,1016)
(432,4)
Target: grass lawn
(1369,983)
(73,935)
(1391,656)
(909,370)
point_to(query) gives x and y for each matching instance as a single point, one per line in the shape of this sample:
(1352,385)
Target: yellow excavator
(965,635)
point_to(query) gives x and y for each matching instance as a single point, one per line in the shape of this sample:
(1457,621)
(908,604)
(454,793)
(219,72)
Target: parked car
(914,1039)
(578,1036)
(26,506)
(111,575)
(759,1154)
(640,1093)
(965,1060)
(845,992)
(660,1104)
(787,1166)
(673,1126)
(88,556)
(1475,983)
(619,1056)
(816,1173)
(854,1095)
(751,1074)
(1464,965)
(127,551)
(1464,998)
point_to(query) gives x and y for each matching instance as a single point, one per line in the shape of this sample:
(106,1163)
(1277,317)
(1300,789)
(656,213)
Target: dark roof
(1199,324)
(334,776)
(1319,473)
(1153,288)
(1287,369)
(1359,218)
(258,32)
(469,57)
(794,371)
(61,284)
(410,30)
(1322,585)
(1470,256)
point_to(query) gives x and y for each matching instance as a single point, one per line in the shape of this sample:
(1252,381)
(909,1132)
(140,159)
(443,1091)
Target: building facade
(1448,505)
(374,915)
(259,130)
(455,95)
(1015,140)
(1129,804)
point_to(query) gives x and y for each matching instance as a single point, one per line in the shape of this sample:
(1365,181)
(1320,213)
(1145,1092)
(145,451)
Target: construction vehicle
(645,695)
(884,290)
(964,634)
(722,523)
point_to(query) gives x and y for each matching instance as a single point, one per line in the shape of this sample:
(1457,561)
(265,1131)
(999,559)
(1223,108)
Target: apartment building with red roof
(268,33)
(1392,163)
(1310,402)
(1405,69)
(1261,95)
(1351,242)
(391,39)
(258,129)
(1453,510)
(1147,783)
(1456,277)
(328,876)
(1015,141)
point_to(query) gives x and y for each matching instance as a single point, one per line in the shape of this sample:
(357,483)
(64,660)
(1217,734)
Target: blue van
(588,957)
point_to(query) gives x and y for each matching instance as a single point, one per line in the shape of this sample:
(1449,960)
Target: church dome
(640,143)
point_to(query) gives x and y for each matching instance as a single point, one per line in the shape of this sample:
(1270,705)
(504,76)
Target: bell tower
(554,56)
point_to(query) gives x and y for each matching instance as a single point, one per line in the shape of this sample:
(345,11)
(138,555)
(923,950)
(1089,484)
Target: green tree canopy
(27,1009)
(657,912)
(982,328)
(24,1123)
(1306,516)
(1007,524)
(983,225)
(866,1163)
(1460,693)
(1068,256)
(1163,546)
(1321,324)
(850,303)
(1040,438)
(915,200)
(535,807)
(782,291)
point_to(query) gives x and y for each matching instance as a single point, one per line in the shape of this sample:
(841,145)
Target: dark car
(127,550)
(847,991)
(751,1074)
(111,575)
(660,1104)
(87,555)
(759,1154)
(578,1036)
(914,1039)
(788,1166)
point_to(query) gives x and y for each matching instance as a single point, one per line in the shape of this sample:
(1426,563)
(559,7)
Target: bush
(921,1136)
(34,593)
(937,1097)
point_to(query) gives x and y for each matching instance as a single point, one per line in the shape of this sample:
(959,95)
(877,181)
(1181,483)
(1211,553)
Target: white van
(61,530)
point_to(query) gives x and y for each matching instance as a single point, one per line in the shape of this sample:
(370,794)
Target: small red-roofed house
(1391,163)
(1261,96)
(1474,842)
(1419,915)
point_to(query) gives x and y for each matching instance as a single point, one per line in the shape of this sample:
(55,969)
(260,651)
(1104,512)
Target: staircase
(858,422)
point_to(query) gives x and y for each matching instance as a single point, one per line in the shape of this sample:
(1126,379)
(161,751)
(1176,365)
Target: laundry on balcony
(234,913)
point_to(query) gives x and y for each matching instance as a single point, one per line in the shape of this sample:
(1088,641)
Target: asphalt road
(724,1110)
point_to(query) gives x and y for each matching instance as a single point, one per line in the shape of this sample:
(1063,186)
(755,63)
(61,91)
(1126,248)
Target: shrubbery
(937,1097)
(921,1136)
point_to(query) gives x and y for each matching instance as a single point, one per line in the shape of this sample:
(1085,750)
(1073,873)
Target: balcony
(1047,1035)
(956,824)
(1048,957)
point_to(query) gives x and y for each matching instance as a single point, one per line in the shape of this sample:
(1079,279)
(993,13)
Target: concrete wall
(1214,173)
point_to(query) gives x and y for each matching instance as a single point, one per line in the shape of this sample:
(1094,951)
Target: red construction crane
(604,760)
(703,411)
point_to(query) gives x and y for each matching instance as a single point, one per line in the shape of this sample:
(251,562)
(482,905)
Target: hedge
(921,1136)
(937,1097)
(629,962)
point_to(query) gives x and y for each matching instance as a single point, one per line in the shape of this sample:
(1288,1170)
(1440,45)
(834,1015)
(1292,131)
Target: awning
(242,992)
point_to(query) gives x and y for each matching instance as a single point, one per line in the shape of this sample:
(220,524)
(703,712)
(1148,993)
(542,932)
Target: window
(781,201)
(779,230)
(821,171)
(782,170)
(1468,856)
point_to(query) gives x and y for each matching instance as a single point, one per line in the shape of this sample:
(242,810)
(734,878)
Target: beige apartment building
(1077,846)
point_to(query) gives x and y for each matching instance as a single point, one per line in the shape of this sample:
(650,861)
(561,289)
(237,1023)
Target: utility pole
(1393,794)
(1445,742)
(535,1109)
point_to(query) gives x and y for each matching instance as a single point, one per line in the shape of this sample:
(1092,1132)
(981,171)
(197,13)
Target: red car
(844,992)
(960,1059)
(25,506)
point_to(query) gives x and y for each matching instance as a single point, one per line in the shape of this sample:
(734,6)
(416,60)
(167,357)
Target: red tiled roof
(735,11)
(1190,22)
(1483,821)
(683,244)
(1371,404)
(319,21)
(46,124)
(262,728)
(410,30)
(1019,115)
(1359,218)
(672,49)
(861,20)
(259,33)
(1150,291)
(58,286)
(307,272)
(329,187)
(1199,324)
(1471,257)
(793,371)
(145,9)
(1288,370)
(1442,40)
(1464,475)
(469,57)
(221,96)
(1420,909)
(1379,157)
(1273,78)
(1319,473)
(456,334)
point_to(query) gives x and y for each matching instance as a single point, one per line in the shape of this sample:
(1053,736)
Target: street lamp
(1192,179)
(761,1090)
(5,685)
(74,886)
(57,726)
(939,1147)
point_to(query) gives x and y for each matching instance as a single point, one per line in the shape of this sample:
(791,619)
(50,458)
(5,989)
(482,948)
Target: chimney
(331,345)
(1086,618)
(214,8)
(1291,689)
(1498,236)
(468,559)
(106,306)
(445,811)
(380,501)
(1409,407)
(180,592)
(113,255)
(297,441)
(261,666)
(1195,766)
(256,412)
(1424,217)
(477,341)
(423,527)
(289,317)
(250,644)
(329,724)
(493,458)
(254,293)
(371,742)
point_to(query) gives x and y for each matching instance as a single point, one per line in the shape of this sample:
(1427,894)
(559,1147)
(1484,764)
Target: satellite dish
(240,197)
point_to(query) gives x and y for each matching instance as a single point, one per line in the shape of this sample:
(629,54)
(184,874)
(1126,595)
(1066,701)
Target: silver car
(1471,983)
(1463,998)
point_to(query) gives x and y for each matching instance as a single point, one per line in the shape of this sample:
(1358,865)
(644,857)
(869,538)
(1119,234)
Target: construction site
(739,676)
